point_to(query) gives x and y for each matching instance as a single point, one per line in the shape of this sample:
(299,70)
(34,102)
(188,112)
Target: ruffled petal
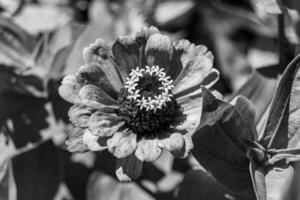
(185,51)
(175,143)
(122,144)
(192,109)
(99,53)
(69,89)
(126,53)
(188,145)
(129,168)
(94,75)
(80,115)
(193,74)
(148,150)
(141,38)
(96,52)
(91,141)
(159,51)
(95,97)
(105,125)
(74,140)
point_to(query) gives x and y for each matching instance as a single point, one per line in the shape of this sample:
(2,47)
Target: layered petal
(79,115)
(192,109)
(196,91)
(95,97)
(141,38)
(104,124)
(74,141)
(69,89)
(93,74)
(175,143)
(126,52)
(99,54)
(159,51)
(96,52)
(193,74)
(122,143)
(91,141)
(129,168)
(148,150)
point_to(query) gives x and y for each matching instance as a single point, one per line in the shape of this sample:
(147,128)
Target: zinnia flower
(137,97)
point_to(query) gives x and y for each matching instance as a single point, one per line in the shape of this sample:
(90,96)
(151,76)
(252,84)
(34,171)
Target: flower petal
(148,150)
(141,38)
(93,74)
(185,51)
(105,125)
(96,51)
(129,168)
(122,144)
(175,143)
(80,115)
(91,141)
(99,54)
(95,97)
(159,51)
(74,141)
(193,74)
(69,89)
(126,53)
(188,145)
(192,109)
(196,91)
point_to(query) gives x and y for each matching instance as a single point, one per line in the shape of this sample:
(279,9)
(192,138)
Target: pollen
(149,88)
(147,104)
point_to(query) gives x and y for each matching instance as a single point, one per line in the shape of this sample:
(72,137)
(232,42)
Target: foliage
(246,145)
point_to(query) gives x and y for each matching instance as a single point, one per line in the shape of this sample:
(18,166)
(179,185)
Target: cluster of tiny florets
(151,102)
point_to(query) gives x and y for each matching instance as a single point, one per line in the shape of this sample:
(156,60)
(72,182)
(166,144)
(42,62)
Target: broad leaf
(38,173)
(219,142)
(200,184)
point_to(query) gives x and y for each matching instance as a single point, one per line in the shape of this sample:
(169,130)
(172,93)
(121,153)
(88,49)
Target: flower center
(146,102)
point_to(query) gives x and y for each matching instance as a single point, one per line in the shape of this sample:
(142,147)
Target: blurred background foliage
(42,40)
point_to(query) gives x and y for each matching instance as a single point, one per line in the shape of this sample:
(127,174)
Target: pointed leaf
(260,91)
(276,132)
(294,113)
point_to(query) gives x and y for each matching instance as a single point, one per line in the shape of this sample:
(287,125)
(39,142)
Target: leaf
(38,173)
(292,4)
(53,49)
(268,6)
(16,44)
(260,91)
(200,184)
(269,181)
(219,142)
(276,132)
(294,113)
(258,179)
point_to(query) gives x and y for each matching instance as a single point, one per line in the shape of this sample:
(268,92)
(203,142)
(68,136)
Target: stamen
(154,101)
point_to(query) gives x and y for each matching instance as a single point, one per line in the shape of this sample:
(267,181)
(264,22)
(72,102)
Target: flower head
(138,97)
